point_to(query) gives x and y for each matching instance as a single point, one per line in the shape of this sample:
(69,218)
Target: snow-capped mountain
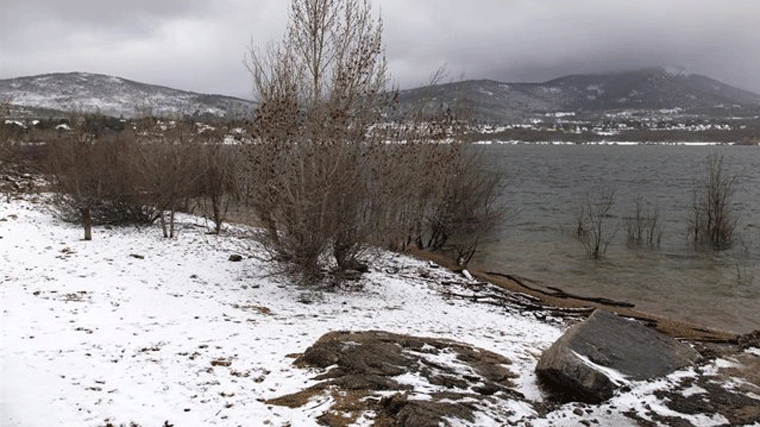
(115,96)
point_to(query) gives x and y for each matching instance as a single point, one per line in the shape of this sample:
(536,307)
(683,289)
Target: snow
(675,70)
(15,123)
(692,391)
(614,376)
(114,96)
(595,88)
(132,327)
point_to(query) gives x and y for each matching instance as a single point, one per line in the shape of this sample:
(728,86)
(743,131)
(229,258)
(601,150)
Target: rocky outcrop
(404,380)
(597,356)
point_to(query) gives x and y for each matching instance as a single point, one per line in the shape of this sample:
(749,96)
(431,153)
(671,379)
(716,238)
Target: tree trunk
(216,209)
(87,220)
(171,223)
(163,224)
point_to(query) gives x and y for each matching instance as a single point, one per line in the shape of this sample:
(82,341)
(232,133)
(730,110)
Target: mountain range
(483,100)
(589,94)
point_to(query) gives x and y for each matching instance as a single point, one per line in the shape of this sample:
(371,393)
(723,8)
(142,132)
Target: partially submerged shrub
(643,224)
(594,230)
(714,212)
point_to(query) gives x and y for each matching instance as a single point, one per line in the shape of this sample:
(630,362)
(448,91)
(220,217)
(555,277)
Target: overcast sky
(199,45)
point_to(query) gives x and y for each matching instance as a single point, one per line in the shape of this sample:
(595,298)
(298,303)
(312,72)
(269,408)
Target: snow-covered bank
(131,327)
(134,327)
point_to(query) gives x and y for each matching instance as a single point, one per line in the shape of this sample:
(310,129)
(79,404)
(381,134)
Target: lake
(546,184)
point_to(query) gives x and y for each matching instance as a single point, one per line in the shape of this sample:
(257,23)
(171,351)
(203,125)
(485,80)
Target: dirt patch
(253,308)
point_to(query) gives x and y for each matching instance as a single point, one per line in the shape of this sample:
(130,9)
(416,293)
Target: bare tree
(170,165)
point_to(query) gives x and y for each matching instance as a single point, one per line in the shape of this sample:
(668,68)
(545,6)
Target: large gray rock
(595,357)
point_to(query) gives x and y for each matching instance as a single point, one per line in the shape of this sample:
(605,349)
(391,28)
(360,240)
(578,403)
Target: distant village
(641,126)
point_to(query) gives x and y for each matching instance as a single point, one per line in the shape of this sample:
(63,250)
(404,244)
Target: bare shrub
(594,230)
(8,152)
(643,223)
(436,197)
(318,94)
(309,198)
(99,179)
(410,182)
(468,212)
(186,164)
(17,157)
(218,169)
(714,213)
(168,167)
(333,169)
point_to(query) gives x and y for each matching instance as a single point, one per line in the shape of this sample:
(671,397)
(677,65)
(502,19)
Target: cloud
(200,44)
(542,39)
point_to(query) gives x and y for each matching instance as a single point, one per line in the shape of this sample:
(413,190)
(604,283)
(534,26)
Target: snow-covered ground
(134,328)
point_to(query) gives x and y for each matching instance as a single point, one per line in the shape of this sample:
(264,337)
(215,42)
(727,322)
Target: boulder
(597,356)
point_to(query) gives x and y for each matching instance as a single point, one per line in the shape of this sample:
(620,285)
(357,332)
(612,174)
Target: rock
(749,340)
(595,357)
(420,413)
(371,371)
(235,258)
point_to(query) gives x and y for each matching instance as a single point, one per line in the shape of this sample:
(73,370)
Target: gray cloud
(199,44)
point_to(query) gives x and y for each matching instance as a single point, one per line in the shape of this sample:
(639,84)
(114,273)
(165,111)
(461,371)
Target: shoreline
(131,327)
(560,299)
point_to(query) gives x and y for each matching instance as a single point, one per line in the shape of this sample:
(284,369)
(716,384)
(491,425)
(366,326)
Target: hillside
(645,89)
(114,96)
(587,95)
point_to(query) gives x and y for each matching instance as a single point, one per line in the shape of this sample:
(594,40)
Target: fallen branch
(487,293)
(559,293)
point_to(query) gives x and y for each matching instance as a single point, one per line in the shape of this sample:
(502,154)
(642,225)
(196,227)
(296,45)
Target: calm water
(547,183)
